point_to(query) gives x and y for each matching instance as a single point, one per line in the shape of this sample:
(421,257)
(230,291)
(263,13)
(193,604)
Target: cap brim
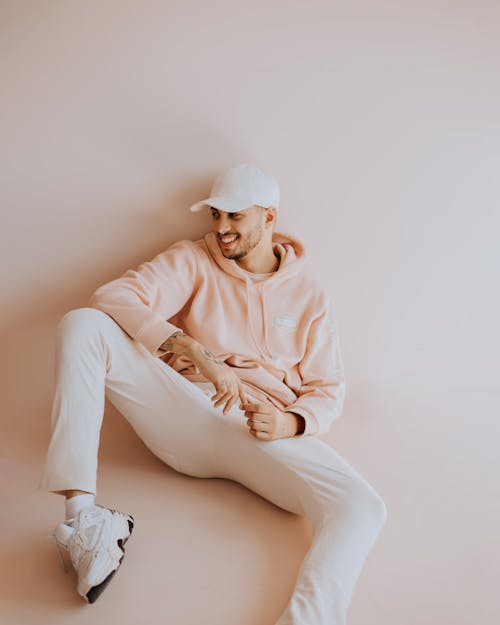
(230,205)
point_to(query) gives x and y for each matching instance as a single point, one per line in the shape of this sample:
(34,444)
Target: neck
(263,264)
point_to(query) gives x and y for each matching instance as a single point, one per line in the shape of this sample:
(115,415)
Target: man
(223,355)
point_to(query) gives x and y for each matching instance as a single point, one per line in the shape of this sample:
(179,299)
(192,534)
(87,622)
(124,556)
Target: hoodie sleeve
(142,300)
(321,396)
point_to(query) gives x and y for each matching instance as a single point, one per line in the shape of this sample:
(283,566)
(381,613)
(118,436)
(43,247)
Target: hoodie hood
(289,249)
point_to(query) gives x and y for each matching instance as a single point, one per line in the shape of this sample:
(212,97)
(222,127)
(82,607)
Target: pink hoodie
(278,334)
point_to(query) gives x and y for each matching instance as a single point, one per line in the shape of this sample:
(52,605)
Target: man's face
(247,225)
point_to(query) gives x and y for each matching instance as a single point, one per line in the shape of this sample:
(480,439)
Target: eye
(236,216)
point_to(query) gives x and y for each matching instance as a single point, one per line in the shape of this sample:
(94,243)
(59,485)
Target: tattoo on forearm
(169,345)
(209,356)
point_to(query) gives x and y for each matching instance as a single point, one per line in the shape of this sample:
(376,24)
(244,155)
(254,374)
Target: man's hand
(268,423)
(227,384)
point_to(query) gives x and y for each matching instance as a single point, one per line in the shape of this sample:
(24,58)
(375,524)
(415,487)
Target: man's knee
(83,319)
(359,501)
(84,315)
(363,500)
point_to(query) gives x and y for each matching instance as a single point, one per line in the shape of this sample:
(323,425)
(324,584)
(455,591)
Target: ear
(270,215)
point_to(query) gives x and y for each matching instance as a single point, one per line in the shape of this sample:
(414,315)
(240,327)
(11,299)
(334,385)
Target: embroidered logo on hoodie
(287,322)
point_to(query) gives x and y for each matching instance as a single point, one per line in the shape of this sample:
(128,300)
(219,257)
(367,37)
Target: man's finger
(248,405)
(241,392)
(262,409)
(221,393)
(220,388)
(258,426)
(230,404)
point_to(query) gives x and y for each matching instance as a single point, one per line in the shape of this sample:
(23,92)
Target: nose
(223,226)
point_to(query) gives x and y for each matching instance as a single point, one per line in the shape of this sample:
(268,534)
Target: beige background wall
(381,121)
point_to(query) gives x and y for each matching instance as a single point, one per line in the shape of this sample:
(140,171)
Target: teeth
(229,239)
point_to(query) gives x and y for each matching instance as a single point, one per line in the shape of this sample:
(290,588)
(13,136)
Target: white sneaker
(94,540)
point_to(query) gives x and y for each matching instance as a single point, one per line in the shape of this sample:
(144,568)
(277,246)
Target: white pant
(177,420)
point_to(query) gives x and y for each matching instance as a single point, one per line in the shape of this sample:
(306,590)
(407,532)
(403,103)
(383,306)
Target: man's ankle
(72,493)
(77,503)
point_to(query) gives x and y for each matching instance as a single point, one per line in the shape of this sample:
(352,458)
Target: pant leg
(177,421)
(306,476)
(94,359)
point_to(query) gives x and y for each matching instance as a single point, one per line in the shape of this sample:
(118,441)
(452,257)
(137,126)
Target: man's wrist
(299,421)
(179,343)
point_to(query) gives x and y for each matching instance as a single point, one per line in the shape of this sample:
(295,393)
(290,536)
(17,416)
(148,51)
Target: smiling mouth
(229,241)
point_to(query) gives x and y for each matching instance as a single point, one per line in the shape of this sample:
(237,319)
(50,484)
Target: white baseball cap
(240,187)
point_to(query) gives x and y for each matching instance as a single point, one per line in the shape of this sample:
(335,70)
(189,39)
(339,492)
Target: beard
(247,243)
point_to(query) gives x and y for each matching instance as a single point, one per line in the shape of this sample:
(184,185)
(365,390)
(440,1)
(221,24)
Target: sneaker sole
(95,592)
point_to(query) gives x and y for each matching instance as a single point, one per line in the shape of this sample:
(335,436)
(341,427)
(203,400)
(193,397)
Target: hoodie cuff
(154,332)
(311,426)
